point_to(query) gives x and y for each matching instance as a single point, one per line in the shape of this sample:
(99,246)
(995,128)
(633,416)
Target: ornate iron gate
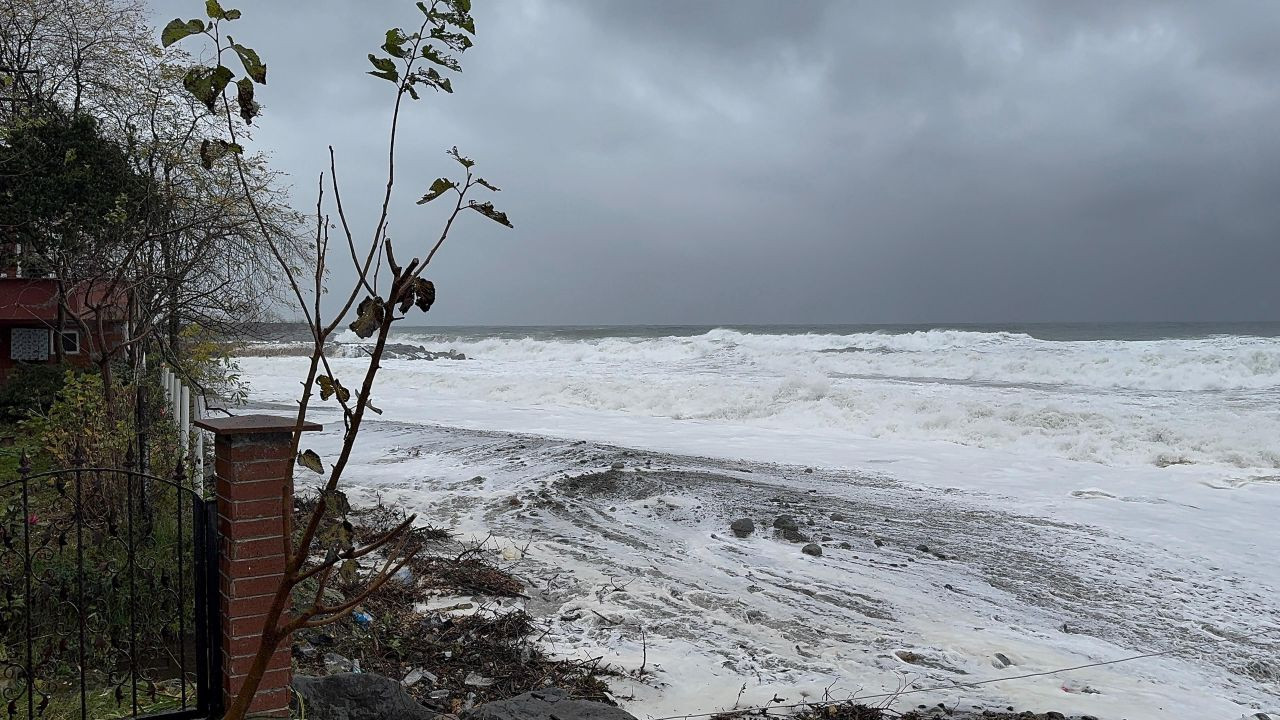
(108,596)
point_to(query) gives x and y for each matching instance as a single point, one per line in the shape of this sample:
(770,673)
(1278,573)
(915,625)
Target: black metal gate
(108,596)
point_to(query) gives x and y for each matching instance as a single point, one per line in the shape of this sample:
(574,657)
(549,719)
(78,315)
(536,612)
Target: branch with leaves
(410,62)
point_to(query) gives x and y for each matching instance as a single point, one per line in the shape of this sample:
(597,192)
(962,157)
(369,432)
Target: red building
(30,322)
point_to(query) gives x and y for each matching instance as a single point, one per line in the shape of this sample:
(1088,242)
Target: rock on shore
(356,696)
(549,704)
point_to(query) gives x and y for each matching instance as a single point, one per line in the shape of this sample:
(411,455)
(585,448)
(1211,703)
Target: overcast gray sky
(738,161)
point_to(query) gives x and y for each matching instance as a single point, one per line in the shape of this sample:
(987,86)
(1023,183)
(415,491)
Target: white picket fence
(184,412)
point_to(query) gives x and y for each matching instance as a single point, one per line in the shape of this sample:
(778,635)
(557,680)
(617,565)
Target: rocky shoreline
(419,651)
(398,351)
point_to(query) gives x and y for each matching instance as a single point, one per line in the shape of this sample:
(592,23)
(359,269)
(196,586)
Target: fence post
(253,488)
(174,399)
(184,419)
(199,475)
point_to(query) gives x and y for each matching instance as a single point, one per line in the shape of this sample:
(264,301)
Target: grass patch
(105,705)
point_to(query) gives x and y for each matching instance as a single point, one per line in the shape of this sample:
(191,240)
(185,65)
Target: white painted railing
(184,411)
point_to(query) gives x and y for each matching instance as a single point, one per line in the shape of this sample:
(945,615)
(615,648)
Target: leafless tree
(196,262)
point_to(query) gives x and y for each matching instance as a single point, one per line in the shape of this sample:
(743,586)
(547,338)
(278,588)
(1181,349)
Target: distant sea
(1039,331)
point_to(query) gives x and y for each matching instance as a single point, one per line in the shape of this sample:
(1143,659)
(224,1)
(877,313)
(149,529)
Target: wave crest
(1161,402)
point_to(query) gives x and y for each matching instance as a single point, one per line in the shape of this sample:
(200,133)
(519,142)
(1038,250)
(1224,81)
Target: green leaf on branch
(311,461)
(386,68)
(456,41)
(464,161)
(213,150)
(394,46)
(430,77)
(438,188)
(330,387)
(430,53)
(485,183)
(464,21)
(338,503)
(462,6)
(421,293)
(177,29)
(249,109)
(337,534)
(347,572)
(486,209)
(439,81)
(368,317)
(215,11)
(253,65)
(206,84)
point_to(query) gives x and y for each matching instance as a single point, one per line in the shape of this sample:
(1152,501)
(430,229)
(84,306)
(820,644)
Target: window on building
(70,341)
(30,344)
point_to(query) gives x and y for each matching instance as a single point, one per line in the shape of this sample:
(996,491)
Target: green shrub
(113,546)
(80,418)
(30,388)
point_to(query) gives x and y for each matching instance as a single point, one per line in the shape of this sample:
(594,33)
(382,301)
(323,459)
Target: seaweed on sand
(476,651)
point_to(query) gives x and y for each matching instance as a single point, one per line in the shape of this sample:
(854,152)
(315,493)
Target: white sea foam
(1163,524)
(1208,400)
(1218,363)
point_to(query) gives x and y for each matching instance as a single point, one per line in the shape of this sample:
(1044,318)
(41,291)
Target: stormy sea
(932,508)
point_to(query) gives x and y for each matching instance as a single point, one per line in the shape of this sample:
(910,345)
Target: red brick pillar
(253,472)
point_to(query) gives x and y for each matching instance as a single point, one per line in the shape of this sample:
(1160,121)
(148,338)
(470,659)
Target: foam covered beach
(1091,497)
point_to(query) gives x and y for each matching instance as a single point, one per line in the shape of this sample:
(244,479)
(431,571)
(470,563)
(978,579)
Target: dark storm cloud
(806,161)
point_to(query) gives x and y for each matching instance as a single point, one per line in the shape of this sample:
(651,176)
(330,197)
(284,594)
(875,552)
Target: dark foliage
(65,186)
(30,388)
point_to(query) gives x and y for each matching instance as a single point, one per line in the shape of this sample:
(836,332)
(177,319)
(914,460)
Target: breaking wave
(1153,402)
(1201,364)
